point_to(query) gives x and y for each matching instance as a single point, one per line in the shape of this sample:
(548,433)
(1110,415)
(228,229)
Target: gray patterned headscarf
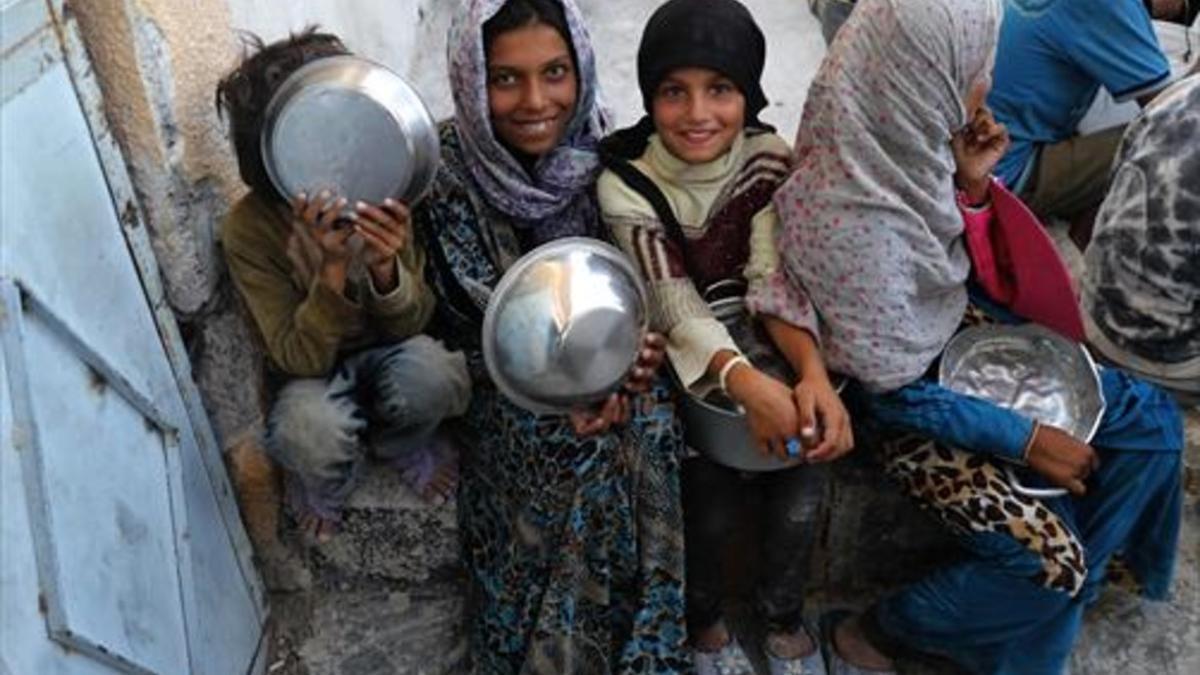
(556,201)
(870,224)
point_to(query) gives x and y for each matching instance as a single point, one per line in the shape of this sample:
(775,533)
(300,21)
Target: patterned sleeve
(693,334)
(771,291)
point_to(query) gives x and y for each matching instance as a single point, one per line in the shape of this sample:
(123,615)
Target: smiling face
(698,113)
(532,88)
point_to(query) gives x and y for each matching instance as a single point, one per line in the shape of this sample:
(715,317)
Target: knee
(307,429)
(423,383)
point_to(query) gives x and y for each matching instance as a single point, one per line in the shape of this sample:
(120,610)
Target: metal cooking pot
(353,127)
(715,425)
(564,325)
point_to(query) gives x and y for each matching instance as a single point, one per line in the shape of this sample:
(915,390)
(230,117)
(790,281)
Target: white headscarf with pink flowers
(870,224)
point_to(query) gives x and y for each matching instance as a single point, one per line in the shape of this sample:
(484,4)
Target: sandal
(835,664)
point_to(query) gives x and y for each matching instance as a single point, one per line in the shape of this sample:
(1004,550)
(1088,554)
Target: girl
(893,124)
(572,530)
(711,166)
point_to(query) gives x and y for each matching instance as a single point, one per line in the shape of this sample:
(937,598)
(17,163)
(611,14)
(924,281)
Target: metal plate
(1029,369)
(353,127)
(564,325)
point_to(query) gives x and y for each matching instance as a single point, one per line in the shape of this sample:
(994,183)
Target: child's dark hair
(521,13)
(242,95)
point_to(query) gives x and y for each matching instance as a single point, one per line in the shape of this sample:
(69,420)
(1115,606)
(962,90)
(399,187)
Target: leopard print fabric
(968,493)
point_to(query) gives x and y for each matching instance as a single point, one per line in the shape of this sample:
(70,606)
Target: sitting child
(688,196)
(340,319)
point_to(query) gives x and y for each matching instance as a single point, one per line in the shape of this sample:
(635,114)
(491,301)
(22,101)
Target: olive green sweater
(304,323)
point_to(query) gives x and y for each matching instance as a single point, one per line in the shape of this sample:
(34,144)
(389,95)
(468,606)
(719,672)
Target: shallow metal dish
(1032,370)
(353,127)
(715,425)
(564,325)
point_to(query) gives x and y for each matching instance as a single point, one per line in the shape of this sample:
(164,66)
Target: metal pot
(350,126)
(564,325)
(716,426)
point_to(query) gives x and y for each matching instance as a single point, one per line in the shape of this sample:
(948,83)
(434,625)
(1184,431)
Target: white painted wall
(410,37)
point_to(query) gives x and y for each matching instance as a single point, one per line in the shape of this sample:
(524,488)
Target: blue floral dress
(574,546)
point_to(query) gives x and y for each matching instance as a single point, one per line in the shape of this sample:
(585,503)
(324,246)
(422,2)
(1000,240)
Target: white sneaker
(729,660)
(812,664)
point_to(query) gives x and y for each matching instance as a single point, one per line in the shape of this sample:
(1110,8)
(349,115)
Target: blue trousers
(986,613)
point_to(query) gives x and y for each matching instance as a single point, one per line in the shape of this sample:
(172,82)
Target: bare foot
(442,485)
(317,529)
(788,646)
(432,472)
(712,639)
(852,645)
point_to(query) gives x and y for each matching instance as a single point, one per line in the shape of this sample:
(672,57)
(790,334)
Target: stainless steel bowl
(353,127)
(1032,370)
(564,325)
(715,425)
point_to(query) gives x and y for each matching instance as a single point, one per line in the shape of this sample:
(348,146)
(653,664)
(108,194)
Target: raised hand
(318,220)
(978,147)
(386,230)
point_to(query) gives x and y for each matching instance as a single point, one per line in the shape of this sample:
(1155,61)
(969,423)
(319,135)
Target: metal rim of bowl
(1014,479)
(1034,329)
(511,276)
(423,176)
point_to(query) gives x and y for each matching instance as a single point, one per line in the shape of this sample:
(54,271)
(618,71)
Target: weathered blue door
(120,546)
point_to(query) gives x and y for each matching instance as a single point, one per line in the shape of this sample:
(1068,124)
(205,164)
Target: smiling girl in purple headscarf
(572,532)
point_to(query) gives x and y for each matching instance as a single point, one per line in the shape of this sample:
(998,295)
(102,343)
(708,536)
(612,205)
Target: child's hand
(770,413)
(978,147)
(614,411)
(1062,459)
(825,427)
(318,221)
(650,359)
(386,230)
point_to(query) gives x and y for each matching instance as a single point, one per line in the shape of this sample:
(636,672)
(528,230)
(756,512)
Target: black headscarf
(716,34)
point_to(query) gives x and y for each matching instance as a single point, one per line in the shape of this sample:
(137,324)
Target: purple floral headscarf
(556,200)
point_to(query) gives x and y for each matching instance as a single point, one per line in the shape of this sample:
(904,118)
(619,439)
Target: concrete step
(368,632)
(389,533)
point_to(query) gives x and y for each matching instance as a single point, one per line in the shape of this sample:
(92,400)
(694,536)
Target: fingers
(399,212)
(330,214)
(615,410)
(806,411)
(655,341)
(1076,487)
(586,422)
(377,238)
